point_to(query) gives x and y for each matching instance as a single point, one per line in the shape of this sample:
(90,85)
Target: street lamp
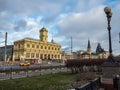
(108,13)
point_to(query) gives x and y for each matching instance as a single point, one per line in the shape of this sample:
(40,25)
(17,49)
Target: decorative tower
(89,50)
(44,35)
(99,49)
(52,41)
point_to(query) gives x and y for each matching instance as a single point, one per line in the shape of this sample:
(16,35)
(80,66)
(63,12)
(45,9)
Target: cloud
(5,23)
(27,27)
(1,35)
(12,13)
(20,25)
(79,25)
(88,25)
(81,19)
(49,19)
(29,6)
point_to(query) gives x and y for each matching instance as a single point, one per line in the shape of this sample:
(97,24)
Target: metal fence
(27,71)
(92,85)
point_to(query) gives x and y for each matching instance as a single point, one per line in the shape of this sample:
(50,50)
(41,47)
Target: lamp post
(111,66)
(108,13)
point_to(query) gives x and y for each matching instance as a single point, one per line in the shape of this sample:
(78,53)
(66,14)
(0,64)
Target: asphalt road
(30,72)
(7,67)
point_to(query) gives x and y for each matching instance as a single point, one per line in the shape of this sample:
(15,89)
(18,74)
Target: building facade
(66,55)
(9,53)
(88,54)
(34,49)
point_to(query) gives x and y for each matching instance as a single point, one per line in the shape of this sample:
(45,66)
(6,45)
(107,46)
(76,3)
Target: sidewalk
(107,84)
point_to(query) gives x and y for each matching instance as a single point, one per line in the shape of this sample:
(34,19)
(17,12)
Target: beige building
(33,49)
(88,54)
(66,55)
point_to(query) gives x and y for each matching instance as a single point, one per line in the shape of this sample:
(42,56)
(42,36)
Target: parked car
(25,63)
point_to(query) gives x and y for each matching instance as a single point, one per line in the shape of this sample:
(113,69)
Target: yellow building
(33,49)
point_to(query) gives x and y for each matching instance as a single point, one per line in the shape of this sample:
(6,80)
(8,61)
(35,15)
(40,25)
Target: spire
(89,50)
(99,49)
(89,46)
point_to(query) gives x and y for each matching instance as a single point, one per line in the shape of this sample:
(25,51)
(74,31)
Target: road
(32,70)
(6,67)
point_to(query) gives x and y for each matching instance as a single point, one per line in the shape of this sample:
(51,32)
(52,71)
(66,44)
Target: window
(49,48)
(18,45)
(28,45)
(33,46)
(41,47)
(55,56)
(52,48)
(45,47)
(37,55)
(37,46)
(27,55)
(45,56)
(52,56)
(22,45)
(49,56)
(41,56)
(32,55)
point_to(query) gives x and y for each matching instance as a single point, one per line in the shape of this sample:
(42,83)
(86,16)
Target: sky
(79,19)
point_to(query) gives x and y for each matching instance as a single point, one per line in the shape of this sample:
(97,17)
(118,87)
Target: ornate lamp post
(111,66)
(108,13)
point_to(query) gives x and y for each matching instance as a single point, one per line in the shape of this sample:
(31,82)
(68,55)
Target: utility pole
(5,49)
(119,37)
(71,44)
(71,48)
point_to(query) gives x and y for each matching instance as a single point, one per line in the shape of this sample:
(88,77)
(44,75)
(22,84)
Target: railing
(116,82)
(92,85)
(12,73)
